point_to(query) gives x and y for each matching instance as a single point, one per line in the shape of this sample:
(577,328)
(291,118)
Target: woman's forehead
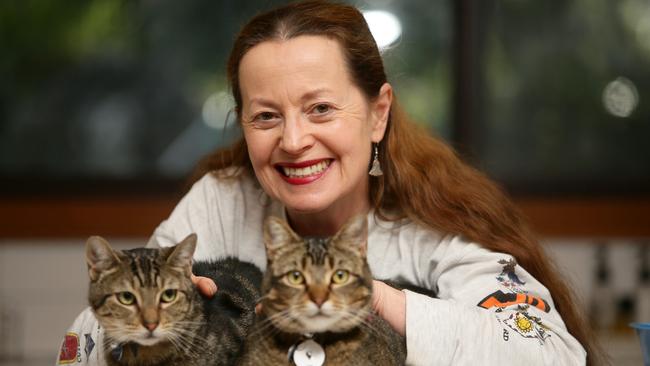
(299,66)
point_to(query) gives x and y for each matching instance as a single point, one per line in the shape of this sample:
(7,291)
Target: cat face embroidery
(315,285)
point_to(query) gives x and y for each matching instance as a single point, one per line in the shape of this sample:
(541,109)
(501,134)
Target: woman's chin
(304,207)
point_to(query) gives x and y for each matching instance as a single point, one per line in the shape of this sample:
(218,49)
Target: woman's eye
(340,277)
(295,278)
(126,298)
(265,116)
(321,108)
(168,295)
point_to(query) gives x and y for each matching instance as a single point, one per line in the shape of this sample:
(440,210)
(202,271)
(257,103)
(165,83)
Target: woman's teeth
(306,171)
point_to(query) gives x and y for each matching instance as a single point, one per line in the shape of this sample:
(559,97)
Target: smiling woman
(309,130)
(316,108)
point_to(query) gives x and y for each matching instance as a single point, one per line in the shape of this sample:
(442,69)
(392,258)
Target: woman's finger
(206,286)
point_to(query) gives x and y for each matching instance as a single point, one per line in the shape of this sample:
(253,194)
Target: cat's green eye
(168,295)
(295,278)
(126,298)
(340,277)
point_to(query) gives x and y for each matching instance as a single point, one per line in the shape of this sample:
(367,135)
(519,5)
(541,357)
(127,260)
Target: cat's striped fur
(152,327)
(304,292)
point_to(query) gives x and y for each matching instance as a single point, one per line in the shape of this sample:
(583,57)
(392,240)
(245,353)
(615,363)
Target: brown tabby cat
(317,303)
(152,314)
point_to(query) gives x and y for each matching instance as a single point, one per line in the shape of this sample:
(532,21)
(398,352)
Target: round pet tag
(309,353)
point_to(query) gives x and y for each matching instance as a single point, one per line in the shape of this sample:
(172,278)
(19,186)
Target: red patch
(69,349)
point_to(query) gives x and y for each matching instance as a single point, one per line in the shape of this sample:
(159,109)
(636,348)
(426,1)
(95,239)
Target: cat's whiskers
(118,334)
(180,344)
(295,311)
(175,344)
(184,345)
(363,321)
(185,341)
(185,324)
(270,322)
(353,317)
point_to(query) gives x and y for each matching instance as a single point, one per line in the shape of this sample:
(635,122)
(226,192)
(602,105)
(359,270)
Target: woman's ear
(380,109)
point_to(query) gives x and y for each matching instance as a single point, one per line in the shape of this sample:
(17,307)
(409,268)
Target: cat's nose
(318,295)
(151,326)
(318,300)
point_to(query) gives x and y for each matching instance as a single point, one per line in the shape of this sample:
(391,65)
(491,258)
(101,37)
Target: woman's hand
(206,286)
(390,304)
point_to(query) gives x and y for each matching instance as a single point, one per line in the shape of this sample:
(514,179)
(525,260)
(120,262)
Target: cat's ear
(276,234)
(181,255)
(99,256)
(354,233)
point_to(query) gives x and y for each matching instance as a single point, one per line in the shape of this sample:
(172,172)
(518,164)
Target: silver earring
(375,171)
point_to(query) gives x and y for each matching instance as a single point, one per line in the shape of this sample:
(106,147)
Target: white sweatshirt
(489,310)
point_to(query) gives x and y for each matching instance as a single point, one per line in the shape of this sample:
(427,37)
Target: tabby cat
(153,315)
(316,304)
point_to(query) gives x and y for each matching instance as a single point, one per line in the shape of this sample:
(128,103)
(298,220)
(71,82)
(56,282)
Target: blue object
(643,330)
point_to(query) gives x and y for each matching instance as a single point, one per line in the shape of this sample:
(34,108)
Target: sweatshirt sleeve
(224,214)
(489,311)
(82,343)
(199,212)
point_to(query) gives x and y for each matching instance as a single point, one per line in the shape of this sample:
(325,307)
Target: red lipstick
(302,180)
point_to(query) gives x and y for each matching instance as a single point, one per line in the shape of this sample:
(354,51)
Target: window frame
(134,209)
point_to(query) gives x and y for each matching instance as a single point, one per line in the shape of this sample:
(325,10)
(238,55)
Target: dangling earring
(375,170)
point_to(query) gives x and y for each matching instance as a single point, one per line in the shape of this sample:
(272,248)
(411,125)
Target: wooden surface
(588,217)
(137,217)
(82,217)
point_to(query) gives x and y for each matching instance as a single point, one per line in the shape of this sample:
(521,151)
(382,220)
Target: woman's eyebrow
(307,96)
(315,93)
(264,103)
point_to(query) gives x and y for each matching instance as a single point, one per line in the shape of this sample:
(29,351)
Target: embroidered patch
(501,299)
(70,351)
(90,345)
(508,277)
(527,326)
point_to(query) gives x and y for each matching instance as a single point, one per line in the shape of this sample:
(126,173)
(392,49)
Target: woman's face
(308,127)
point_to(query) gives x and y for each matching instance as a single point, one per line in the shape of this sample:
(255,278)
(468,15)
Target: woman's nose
(296,135)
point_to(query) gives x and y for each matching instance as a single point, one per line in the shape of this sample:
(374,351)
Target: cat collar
(306,352)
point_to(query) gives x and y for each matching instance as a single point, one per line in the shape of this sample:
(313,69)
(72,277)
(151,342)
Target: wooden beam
(588,217)
(82,217)
(138,217)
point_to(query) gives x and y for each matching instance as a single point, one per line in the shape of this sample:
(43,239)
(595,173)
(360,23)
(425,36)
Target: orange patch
(502,300)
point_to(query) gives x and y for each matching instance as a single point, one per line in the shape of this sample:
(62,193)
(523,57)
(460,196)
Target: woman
(317,113)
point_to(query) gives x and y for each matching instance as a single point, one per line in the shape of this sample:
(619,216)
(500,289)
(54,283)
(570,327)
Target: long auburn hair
(424,180)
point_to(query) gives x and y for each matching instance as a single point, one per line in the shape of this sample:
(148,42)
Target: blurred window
(127,94)
(564,92)
(133,93)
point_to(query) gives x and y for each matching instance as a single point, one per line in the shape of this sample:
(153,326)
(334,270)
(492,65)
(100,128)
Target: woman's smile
(309,129)
(303,172)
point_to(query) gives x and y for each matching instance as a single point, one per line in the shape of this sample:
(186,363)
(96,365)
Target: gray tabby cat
(317,303)
(153,315)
